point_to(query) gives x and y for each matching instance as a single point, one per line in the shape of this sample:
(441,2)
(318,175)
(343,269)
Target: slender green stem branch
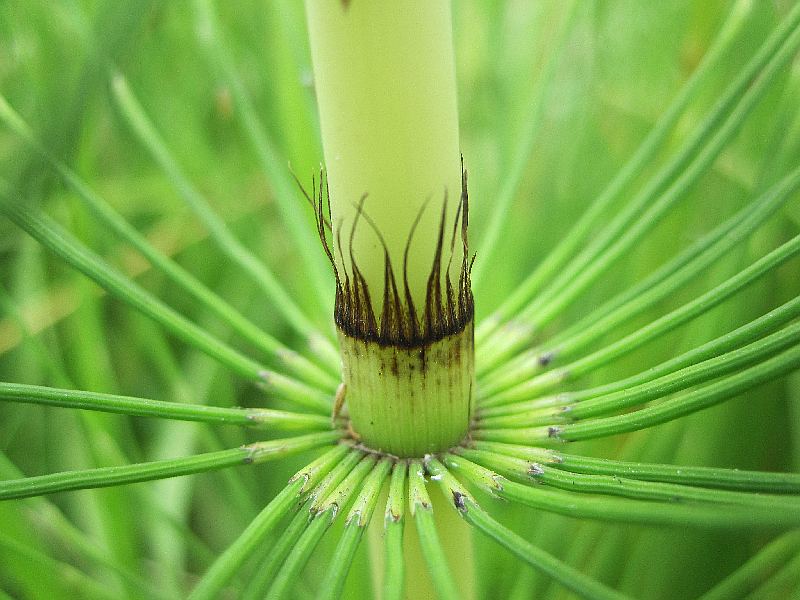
(665,281)
(657,388)
(687,265)
(660,195)
(621,510)
(525,471)
(163,469)
(753,330)
(283,302)
(713,477)
(111,476)
(356,523)
(421,511)
(56,239)
(276,553)
(300,553)
(710,477)
(688,403)
(668,410)
(689,376)
(527,414)
(323,515)
(394,522)
(261,418)
(646,151)
(230,561)
(566,575)
(668,322)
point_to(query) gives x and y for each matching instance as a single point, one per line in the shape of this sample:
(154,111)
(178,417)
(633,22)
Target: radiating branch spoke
(53,237)
(646,151)
(394,523)
(662,193)
(259,418)
(358,518)
(698,515)
(524,471)
(567,411)
(283,302)
(232,560)
(469,509)
(708,477)
(120,475)
(668,322)
(660,284)
(421,511)
(323,513)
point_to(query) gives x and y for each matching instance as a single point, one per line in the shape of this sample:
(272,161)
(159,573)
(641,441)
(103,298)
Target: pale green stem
(395,229)
(385,83)
(397,236)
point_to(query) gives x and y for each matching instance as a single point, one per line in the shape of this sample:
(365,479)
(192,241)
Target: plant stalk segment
(392,215)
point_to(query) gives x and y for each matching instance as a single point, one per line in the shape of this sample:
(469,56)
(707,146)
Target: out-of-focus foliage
(620,65)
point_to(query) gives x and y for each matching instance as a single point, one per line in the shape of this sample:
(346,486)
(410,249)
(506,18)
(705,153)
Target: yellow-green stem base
(409,401)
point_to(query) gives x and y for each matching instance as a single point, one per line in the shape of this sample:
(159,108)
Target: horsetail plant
(404,308)
(579,413)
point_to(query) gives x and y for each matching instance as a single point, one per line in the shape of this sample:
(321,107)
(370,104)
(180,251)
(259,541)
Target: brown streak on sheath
(446,312)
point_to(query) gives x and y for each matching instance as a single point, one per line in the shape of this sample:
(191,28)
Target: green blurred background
(619,65)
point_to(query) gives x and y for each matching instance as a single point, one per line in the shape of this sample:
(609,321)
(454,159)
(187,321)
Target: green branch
(621,510)
(685,404)
(660,326)
(658,388)
(524,471)
(163,469)
(687,377)
(56,239)
(710,477)
(661,194)
(394,523)
(646,151)
(230,246)
(324,514)
(274,555)
(753,330)
(234,557)
(356,523)
(659,285)
(260,418)
(540,560)
(421,511)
